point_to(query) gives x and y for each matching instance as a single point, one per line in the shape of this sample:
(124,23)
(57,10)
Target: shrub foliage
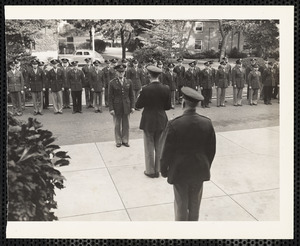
(32,177)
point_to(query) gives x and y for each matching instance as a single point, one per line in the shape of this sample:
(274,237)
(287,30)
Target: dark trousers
(187,201)
(267,94)
(106,96)
(46,98)
(16,101)
(275,92)
(205,93)
(88,96)
(179,94)
(76,98)
(66,97)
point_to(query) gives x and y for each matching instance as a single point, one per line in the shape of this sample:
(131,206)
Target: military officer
(145,79)
(87,70)
(191,76)
(66,83)
(155,98)
(187,155)
(36,78)
(214,76)
(238,82)
(268,80)
(55,79)
(207,82)
(179,69)
(121,104)
(133,74)
(42,66)
(222,80)
(276,88)
(161,77)
(24,74)
(15,87)
(171,79)
(106,79)
(77,79)
(254,80)
(97,86)
(250,68)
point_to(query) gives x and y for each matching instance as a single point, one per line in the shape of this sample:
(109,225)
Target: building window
(199,27)
(198,44)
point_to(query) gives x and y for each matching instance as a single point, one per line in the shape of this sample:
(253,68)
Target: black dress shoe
(156,175)
(153,175)
(118,145)
(126,144)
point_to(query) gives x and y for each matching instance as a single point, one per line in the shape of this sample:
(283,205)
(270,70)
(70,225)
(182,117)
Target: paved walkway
(107,184)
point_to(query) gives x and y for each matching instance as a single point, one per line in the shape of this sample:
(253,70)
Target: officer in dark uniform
(121,104)
(97,86)
(87,70)
(42,66)
(207,82)
(191,76)
(66,83)
(268,80)
(133,74)
(155,98)
(145,79)
(23,71)
(171,80)
(76,78)
(238,76)
(187,155)
(221,82)
(214,77)
(248,70)
(105,71)
(179,69)
(36,79)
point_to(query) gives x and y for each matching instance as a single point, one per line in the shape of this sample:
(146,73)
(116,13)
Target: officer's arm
(211,146)
(140,102)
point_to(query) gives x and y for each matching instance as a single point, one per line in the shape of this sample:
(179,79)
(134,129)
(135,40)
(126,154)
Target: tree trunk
(188,37)
(123,44)
(223,45)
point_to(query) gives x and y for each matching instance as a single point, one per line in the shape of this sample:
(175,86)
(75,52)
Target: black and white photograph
(135,121)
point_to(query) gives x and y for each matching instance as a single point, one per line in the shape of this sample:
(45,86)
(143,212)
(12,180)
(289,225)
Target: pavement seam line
(102,212)
(220,134)
(113,182)
(236,202)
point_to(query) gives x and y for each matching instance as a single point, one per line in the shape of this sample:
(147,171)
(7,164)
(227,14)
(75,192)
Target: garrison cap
(64,60)
(253,59)
(41,63)
(120,67)
(238,61)
(34,62)
(74,63)
(124,60)
(256,66)
(87,59)
(211,62)
(11,63)
(223,63)
(206,63)
(191,94)
(96,62)
(193,62)
(113,60)
(159,63)
(154,69)
(54,61)
(171,65)
(107,61)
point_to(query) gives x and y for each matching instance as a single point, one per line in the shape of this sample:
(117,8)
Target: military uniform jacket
(238,77)
(276,68)
(145,79)
(36,80)
(134,75)
(23,71)
(121,97)
(250,69)
(76,79)
(222,78)
(268,77)
(46,82)
(155,98)
(180,71)
(207,78)
(191,78)
(55,80)
(171,80)
(109,74)
(97,81)
(15,81)
(189,148)
(254,79)
(87,70)
(66,82)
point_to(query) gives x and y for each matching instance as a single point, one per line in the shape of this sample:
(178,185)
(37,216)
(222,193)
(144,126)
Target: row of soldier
(63,81)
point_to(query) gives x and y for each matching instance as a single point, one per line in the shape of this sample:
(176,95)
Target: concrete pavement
(105,183)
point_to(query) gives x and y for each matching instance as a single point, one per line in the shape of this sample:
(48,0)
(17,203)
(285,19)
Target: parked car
(81,55)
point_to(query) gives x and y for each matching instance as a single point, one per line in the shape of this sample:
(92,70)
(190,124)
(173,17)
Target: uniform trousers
(37,98)
(98,100)
(23,99)
(173,98)
(46,98)
(239,95)
(76,98)
(66,97)
(253,95)
(267,94)
(106,96)
(16,101)
(205,94)
(221,96)
(88,96)
(152,146)
(121,128)
(234,95)
(57,101)
(187,201)
(179,94)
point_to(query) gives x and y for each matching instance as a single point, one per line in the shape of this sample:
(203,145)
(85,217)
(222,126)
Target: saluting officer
(66,83)
(222,80)
(87,70)
(254,80)
(206,84)
(76,78)
(171,80)
(36,79)
(191,76)
(238,82)
(55,79)
(179,69)
(121,104)
(15,87)
(97,86)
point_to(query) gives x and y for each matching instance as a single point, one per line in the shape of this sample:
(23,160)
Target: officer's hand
(7,92)
(249,87)
(22,92)
(132,110)
(63,89)
(92,89)
(50,89)
(29,89)
(44,89)
(25,87)
(234,86)
(112,112)
(201,88)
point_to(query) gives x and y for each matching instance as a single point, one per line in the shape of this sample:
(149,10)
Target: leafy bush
(100,46)
(234,53)
(134,44)
(188,55)
(85,46)
(147,53)
(32,177)
(210,54)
